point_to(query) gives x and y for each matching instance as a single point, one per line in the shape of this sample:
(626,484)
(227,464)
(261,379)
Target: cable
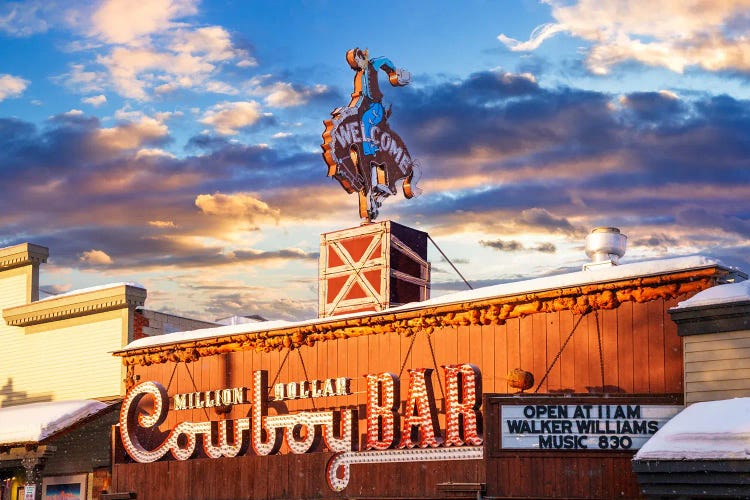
(449,262)
(559,352)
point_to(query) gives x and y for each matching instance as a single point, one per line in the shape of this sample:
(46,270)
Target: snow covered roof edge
(721,294)
(616,273)
(35,422)
(711,430)
(90,289)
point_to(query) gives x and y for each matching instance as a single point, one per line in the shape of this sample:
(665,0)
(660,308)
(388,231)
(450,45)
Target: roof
(614,273)
(35,422)
(76,303)
(721,294)
(713,430)
(532,286)
(81,291)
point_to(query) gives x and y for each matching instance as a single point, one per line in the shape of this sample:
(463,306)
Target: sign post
(29,492)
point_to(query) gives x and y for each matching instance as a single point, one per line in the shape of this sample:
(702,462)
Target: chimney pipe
(604,246)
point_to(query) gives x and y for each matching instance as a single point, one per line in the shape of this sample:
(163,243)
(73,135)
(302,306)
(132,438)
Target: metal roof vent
(604,246)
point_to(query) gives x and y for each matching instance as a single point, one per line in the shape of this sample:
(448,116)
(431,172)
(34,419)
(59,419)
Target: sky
(176,143)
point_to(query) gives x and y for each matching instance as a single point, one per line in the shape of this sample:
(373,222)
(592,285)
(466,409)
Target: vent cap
(605,246)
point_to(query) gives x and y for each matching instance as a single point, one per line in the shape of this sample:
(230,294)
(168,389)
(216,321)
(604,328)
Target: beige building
(715,330)
(58,348)
(60,386)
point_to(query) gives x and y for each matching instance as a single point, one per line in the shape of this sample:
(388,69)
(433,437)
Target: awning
(35,422)
(711,430)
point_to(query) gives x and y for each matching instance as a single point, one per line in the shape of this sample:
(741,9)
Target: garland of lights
(578,300)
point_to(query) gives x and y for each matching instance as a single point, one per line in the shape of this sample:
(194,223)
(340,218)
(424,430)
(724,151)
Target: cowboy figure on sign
(361,150)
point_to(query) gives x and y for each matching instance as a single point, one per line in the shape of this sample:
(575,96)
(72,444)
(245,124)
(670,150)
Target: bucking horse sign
(359,147)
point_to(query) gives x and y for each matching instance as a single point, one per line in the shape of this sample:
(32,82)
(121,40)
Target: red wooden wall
(641,354)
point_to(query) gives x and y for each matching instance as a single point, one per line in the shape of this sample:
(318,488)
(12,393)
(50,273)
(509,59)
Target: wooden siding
(286,477)
(14,288)
(641,353)
(83,449)
(66,359)
(520,473)
(717,366)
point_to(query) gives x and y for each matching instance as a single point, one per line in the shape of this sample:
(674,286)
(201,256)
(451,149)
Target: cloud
(247,62)
(503,245)
(695,33)
(142,49)
(706,218)
(95,257)
(151,48)
(58,288)
(96,100)
(285,94)
(538,36)
(517,246)
(162,224)
(132,135)
(123,21)
(152,153)
(79,79)
(247,301)
(539,218)
(236,205)
(662,241)
(212,42)
(11,86)
(22,19)
(218,88)
(503,156)
(655,106)
(228,117)
(546,248)
(230,296)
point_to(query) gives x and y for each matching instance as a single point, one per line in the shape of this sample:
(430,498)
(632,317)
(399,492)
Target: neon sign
(361,150)
(389,436)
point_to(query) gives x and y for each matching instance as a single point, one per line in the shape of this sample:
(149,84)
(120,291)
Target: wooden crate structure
(372,267)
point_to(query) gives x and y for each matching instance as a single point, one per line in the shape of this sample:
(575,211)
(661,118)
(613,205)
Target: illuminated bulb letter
(464,381)
(132,418)
(382,403)
(273,439)
(420,417)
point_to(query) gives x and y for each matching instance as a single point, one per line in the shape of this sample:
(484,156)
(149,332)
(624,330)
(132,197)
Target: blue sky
(177,143)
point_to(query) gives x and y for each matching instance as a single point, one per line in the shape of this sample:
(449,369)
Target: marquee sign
(582,426)
(390,436)
(361,150)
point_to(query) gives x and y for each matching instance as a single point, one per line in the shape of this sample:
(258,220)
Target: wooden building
(419,400)
(703,452)
(56,351)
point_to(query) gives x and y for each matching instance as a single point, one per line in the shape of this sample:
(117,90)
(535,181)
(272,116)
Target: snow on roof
(93,289)
(615,273)
(712,430)
(721,294)
(206,333)
(34,422)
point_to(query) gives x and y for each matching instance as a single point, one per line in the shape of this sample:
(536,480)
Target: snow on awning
(721,294)
(712,430)
(32,423)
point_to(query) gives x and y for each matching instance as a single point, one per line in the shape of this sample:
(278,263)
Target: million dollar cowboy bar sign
(390,436)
